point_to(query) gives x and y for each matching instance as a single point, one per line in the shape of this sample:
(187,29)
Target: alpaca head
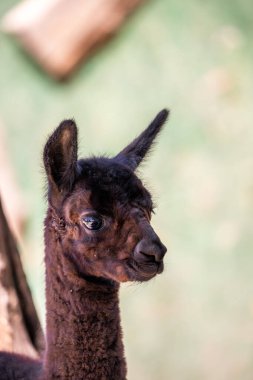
(102,210)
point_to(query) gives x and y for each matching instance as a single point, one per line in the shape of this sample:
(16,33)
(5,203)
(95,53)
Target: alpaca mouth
(145,271)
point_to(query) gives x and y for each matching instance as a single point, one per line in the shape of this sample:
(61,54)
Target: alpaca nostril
(158,250)
(153,256)
(147,251)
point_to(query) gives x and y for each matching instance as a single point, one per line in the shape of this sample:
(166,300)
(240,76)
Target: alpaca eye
(92,222)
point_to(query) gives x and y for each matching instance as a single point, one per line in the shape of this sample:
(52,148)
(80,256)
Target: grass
(196,320)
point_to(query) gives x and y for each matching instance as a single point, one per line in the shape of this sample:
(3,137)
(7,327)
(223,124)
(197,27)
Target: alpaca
(97,234)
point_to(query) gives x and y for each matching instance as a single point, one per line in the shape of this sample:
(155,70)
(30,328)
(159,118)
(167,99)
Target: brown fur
(84,266)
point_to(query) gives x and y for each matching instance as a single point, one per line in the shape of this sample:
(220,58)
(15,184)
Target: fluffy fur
(97,235)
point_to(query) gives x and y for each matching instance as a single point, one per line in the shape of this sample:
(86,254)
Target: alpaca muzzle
(149,254)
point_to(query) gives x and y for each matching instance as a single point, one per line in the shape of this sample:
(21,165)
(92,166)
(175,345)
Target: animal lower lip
(155,268)
(151,269)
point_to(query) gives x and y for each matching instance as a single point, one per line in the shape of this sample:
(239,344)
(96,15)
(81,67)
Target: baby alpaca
(97,235)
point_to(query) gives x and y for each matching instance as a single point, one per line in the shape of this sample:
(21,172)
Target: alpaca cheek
(123,255)
(96,270)
(117,273)
(74,234)
(121,274)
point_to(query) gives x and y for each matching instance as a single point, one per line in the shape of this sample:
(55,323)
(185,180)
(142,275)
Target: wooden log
(20,329)
(60,33)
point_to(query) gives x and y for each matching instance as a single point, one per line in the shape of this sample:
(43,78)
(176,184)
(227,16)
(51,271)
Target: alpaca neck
(82,324)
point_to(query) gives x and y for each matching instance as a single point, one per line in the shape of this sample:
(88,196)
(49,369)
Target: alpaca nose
(150,250)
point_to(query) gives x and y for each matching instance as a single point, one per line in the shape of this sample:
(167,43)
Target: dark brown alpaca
(97,235)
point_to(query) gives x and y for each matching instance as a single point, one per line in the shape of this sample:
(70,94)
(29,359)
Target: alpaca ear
(60,158)
(133,154)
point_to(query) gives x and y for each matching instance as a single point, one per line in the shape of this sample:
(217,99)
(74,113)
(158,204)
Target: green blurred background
(195,321)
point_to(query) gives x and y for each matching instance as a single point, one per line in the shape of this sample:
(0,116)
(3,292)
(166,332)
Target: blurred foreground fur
(20,328)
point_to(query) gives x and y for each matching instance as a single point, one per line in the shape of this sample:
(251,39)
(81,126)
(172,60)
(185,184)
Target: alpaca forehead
(103,183)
